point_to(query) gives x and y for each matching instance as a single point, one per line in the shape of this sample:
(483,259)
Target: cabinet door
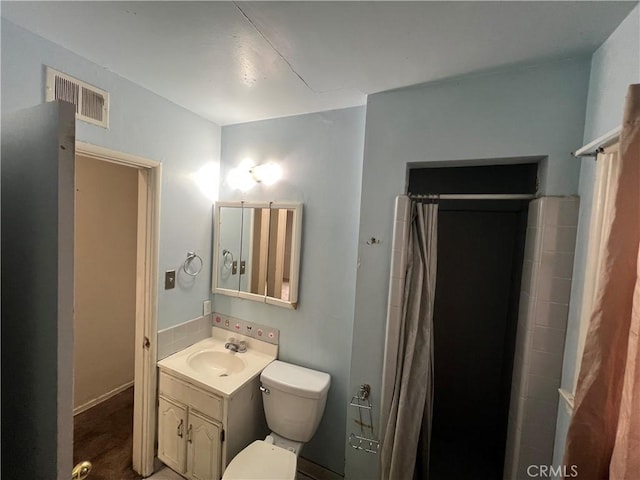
(172,427)
(203,448)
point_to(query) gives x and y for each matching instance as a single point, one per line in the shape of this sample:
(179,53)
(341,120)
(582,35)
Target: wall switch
(169,279)
(206,307)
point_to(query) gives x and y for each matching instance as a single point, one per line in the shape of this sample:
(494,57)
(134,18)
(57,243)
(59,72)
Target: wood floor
(104,436)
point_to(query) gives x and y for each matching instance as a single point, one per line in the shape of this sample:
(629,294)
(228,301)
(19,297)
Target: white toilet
(294,399)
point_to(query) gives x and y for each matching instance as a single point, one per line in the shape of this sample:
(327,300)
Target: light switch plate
(206,307)
(169,279)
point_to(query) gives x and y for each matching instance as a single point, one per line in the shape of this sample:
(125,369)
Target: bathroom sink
(218,364)
(209,365)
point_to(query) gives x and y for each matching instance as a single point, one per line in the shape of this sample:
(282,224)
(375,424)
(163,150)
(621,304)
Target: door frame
(145,376)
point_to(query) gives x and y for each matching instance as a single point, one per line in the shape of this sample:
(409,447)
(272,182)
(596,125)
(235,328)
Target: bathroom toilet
(294,399)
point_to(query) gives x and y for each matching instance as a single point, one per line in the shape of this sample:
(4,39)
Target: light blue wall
(614,66)
(537,111)
(143,124)
(321,156)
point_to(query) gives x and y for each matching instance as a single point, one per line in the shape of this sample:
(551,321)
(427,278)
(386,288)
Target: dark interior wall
(473,342)
(480,252)
(518,178)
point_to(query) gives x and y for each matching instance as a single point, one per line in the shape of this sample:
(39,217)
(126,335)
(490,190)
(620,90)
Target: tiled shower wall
(542,322)
(399,245)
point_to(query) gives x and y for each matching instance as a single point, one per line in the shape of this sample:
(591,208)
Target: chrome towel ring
(187,263)
(227,259)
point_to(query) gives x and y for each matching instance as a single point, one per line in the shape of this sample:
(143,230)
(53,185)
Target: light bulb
(240,178)
(268,173)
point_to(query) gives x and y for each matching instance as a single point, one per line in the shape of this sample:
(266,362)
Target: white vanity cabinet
(172,417)
(200,431)
(203,447)
(190,432)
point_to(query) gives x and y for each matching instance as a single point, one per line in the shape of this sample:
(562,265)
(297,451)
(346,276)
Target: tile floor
(168,474)
(165,474)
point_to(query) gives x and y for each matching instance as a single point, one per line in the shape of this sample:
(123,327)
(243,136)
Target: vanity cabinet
(203,447)
(172,417)
(189,441)
(193,423)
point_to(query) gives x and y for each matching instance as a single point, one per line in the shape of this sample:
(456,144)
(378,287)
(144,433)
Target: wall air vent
(92,103)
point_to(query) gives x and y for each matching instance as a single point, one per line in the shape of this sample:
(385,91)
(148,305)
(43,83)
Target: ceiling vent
(92,103)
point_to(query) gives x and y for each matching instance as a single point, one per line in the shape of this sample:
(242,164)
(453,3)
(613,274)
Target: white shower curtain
(411,404)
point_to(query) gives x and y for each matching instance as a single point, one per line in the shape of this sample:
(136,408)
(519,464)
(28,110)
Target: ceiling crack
(284,59)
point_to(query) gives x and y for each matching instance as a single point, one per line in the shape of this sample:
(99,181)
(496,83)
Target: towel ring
(227,259)
(187,262)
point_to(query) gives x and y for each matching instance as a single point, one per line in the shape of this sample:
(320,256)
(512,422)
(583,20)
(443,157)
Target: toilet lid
(262,461)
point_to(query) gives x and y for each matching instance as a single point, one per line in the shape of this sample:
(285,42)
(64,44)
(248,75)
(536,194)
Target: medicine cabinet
(257,251)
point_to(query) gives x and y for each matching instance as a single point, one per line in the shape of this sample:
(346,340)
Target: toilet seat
(262,461)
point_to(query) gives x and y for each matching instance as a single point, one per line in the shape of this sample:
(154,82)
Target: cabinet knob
(180,428)
(189,430)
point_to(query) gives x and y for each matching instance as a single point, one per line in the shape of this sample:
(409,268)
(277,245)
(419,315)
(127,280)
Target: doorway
(117,204)
(479,269)
(105,260)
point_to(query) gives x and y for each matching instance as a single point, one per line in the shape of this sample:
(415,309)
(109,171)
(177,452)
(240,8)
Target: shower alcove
(499,325)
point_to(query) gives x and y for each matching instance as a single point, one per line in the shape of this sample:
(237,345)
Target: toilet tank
(296,399)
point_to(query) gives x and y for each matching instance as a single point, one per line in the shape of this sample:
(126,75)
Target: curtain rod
(592,149)
(475,196)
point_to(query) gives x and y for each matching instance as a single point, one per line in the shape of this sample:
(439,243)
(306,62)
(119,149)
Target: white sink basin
(209,365)
(218,364)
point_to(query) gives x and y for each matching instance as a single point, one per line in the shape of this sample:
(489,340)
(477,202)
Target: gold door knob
(81,471)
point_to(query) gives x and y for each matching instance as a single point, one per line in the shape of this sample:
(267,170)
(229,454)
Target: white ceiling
(234,62)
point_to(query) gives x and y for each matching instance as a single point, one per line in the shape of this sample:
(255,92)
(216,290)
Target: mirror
(255,244)
(257,251)
(230,229)
(280,254)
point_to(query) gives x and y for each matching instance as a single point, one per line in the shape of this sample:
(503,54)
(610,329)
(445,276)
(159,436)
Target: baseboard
(315,471)
(101,398)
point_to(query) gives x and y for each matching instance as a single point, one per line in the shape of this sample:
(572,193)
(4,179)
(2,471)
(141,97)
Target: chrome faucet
(239,347)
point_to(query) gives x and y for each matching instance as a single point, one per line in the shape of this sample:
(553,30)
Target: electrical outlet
(169,279)
(206,307)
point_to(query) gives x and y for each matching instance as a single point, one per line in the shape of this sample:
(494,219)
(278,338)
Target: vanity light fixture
(240,178)
(245,176)
(269,173)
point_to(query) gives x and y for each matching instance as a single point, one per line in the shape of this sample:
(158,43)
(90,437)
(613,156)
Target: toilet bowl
(262,461)
(294,399)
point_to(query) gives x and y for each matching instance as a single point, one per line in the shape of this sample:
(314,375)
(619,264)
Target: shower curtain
(603,441)
(411,403)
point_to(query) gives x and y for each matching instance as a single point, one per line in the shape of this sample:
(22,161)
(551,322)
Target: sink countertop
(258,355)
